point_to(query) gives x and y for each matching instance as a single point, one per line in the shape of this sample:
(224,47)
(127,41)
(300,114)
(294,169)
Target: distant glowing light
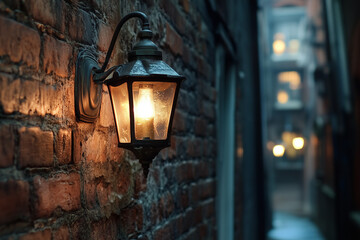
(278,150)
(298,143)
(282,97)
(291,77)
(279,47)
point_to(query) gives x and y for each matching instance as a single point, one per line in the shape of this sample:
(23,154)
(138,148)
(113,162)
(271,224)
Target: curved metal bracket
(87,92)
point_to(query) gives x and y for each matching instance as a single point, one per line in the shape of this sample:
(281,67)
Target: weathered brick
(173,40)
(7,144)
(29,97)
(10,93)
(82,27)
(195,147)
(184,172)
(131,218)
(61,190)
(186,5)
(201,126)
(90,194)
(115,153)
(40,235)
(103,192)
(63,146)
(61,234)
(14,201)
(175,15)
(104,36)
(165,232)
(179,123)
(167,202)
(19,42)
(35,147)
(57,56)
(106,113)
(106,230)
(51,101)
(96,141)
(51,12)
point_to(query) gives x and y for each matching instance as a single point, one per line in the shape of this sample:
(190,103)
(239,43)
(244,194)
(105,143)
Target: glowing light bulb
(279,47)
(298,143)
(282,97)
(278,150)
(145,112)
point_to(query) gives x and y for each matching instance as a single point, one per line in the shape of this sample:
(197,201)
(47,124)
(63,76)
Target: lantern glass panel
(120,102)
(153,103)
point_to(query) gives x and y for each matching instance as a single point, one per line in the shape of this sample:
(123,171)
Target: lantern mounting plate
(87,92)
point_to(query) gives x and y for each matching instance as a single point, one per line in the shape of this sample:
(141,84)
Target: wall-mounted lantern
(143,94)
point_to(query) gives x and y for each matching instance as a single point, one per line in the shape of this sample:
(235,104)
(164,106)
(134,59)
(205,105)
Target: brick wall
(63,179)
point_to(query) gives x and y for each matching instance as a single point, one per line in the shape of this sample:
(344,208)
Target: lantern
(143,94)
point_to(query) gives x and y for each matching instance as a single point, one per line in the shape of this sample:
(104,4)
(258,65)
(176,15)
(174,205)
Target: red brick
(103,192)
(7,143)
(167,202)
(19,42)
(57,56)
(183,199)
(63,146)
(139,183)
(202,169)
(201,126)
(90,194)
(51,12)
(189,57)
(96,141)
(61,190)
(35,147)
(165,232)
(115,153)
(81,26)
(40,235)
(173,40)
(10,93)
(105,230)
(208,110)
(195,147)
(186,5)
(14,201)
(184,172)
(175,15)
(131,218)
(106,113)
(51,101)
(204,68)
(61,234)
(209,209)
(77,146)
(179,124)
(29,97)
(105,36)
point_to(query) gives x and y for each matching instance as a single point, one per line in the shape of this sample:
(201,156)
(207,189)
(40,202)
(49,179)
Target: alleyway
(291,227)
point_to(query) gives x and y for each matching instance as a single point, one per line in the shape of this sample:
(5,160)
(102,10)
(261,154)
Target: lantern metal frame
(145,65)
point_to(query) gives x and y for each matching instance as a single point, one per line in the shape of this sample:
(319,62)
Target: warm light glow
(298,143)
(291,77)
(145,112)
(282,97)
(279,47)
(278,150)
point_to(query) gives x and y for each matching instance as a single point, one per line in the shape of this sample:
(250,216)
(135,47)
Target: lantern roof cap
(145,68)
